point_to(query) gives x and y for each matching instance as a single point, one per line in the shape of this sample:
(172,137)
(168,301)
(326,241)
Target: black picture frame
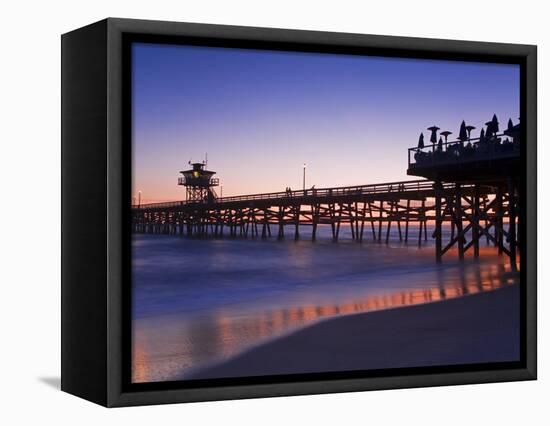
(96,189)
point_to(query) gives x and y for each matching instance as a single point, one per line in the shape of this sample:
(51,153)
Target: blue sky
(261,114)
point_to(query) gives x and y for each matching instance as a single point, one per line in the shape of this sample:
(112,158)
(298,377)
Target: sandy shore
(471,329)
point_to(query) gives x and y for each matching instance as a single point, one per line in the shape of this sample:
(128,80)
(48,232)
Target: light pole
(139,199)
(304,178)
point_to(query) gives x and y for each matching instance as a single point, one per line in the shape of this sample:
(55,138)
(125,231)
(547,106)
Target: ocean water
(196,302)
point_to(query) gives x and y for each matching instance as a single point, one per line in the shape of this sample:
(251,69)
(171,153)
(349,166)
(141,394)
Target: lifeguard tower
(199,183)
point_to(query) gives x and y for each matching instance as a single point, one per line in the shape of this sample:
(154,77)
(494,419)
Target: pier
(471,185)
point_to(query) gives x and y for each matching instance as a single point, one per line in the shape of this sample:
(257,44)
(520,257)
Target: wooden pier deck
(369,210)
(471,184)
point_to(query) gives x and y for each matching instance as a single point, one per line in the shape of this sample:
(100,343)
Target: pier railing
(380,188)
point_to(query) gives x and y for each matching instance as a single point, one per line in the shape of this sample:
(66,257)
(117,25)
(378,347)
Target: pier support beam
(438,221)
(458,219)
(512,223)
(315,220)
(297,223)
(475,228)
(407,217)
(499,229)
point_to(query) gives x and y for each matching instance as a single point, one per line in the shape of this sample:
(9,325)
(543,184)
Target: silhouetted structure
(446,134)
(199,183)
(473,185)
(463,133)
(421,141)
(378,207)
(433,136)
(491,161)
(490,155)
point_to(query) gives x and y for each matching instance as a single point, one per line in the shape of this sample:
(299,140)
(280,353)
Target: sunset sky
(261,114)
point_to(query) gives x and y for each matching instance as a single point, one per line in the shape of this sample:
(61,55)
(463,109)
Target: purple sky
(261,114)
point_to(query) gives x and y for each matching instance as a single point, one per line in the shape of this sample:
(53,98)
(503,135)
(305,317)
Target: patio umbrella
(495,123)
(462,134)
(489,132)
(433,136)
(421,141)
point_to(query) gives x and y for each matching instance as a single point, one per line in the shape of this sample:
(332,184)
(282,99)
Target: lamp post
(139,199)
(304,178)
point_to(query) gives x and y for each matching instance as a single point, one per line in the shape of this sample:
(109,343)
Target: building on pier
(491,155)
(491,160)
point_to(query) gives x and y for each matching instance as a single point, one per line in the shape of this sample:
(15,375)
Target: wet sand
(200,303)
(471,329)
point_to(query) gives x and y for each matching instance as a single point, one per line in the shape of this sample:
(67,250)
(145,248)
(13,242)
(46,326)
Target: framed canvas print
(254,212)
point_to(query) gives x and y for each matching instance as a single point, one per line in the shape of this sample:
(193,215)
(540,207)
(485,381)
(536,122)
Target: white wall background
(30,211)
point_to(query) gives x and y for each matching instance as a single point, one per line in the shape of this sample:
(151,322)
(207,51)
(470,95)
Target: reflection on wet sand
(185,345)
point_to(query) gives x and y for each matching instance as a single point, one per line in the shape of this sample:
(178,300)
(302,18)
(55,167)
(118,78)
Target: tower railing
(199,181)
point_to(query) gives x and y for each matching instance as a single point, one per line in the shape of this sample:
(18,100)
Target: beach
(471,329)
(199,304)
